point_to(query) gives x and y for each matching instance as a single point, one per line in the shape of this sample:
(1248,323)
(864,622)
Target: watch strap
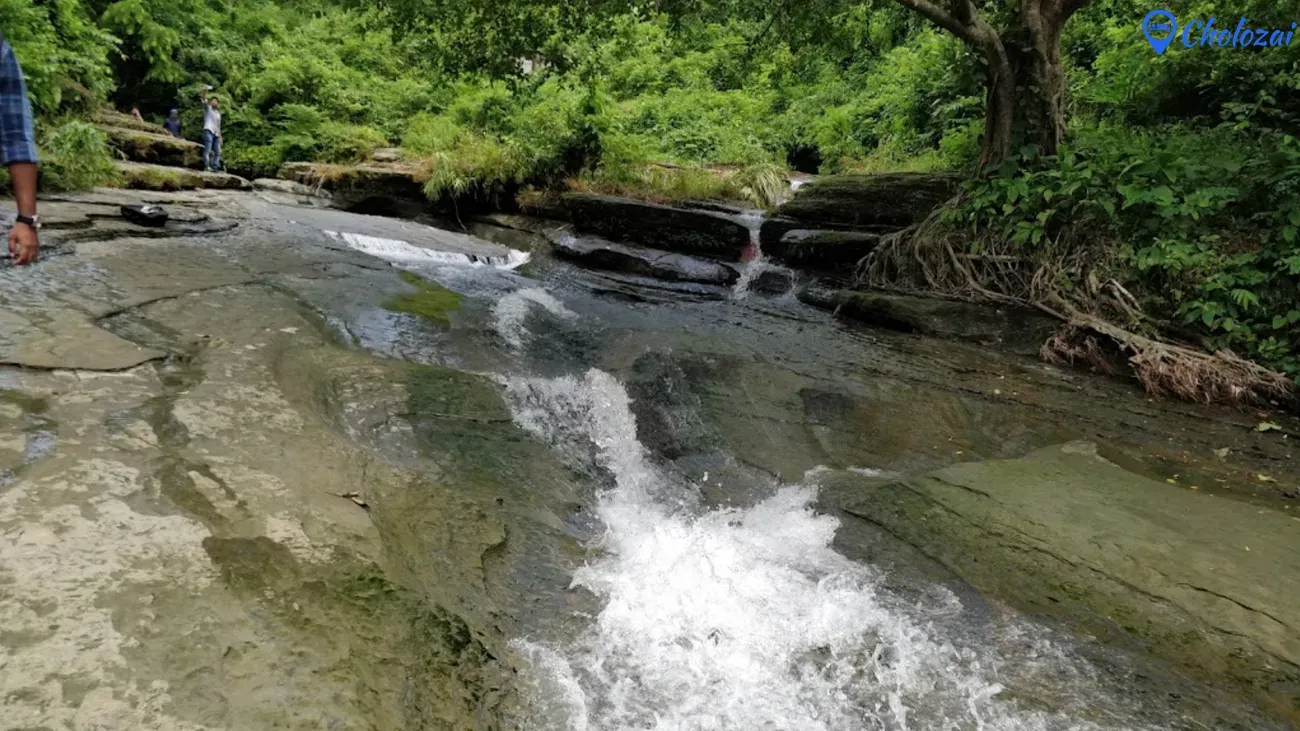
(29,220)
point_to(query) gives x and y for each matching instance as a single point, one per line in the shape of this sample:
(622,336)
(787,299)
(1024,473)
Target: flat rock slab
(658,226)
(145,176)
(292,188)
(63,339)
(1207,582)
(858,201)
(599,254)
(154,148)
(1018,330)
(828,250)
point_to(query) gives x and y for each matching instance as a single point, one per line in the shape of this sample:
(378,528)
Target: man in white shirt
(211,133)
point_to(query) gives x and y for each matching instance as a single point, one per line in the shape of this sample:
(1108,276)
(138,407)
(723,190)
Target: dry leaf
(1221,453)
(1265,478)
(1267,426)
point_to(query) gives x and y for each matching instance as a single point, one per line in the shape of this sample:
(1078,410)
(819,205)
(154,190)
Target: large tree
(1026,82)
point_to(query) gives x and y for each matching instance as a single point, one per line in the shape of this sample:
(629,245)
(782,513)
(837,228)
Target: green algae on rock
(430,301)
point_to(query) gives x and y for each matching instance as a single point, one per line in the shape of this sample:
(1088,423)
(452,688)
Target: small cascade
(755,262)
(395,250)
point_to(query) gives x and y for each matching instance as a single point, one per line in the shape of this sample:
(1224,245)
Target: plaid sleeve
(17,142)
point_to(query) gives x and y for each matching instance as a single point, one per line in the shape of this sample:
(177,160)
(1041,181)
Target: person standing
(18,153)
(211,131)
(173,123)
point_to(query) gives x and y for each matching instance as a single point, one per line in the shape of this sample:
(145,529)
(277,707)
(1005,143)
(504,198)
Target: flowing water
(705,616)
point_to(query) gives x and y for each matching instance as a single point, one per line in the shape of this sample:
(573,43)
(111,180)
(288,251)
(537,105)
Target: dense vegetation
(1165,190)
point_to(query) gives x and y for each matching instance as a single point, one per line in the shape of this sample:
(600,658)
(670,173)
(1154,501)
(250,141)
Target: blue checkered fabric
(17,142)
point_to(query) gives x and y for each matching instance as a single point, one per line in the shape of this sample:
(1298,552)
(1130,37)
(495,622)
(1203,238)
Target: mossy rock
(869,201)
(376,189)
(1206,582)
(142,176)
(156,149)
(429,301)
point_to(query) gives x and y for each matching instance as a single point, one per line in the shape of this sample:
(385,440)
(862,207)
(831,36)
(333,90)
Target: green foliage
(76,156)
(1203,225)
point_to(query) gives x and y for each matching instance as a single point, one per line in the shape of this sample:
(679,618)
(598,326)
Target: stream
(615,502)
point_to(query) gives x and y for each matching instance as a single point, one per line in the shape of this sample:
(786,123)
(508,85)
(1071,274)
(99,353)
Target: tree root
(925,259)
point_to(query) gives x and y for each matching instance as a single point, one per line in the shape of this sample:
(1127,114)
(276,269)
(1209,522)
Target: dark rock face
(598,254)
(833,250)
(1019,330)
(663,227)
(866,201)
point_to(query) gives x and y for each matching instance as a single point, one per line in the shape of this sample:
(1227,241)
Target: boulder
(386,154)
(1206,582)
(664,227)
(143,176)
(109,117)
(1016,329)
(830,250)
(866,201)
(599,254)
(380,189)
(155,148)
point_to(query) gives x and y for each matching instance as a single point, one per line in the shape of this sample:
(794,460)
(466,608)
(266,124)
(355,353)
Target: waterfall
(755,262)
(395,250)
(739,619)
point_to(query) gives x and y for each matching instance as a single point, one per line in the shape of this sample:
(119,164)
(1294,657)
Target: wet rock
(662,227)
(386,154)
(831,250)
(774,282)
(377,189)
(599,254)
(291,188)
(1206,582)
(144,176)
(863,201)
(1016,329)
(156,148)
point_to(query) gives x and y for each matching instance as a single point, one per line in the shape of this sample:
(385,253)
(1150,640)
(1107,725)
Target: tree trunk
(1043,20)
(1000,106)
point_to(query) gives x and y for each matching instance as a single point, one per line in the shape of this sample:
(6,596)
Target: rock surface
(825,250)
(379,189)
(292,188)
(864,201)
(155,148)
(1015,329)
(144,176)
(598,254)
(657,226)
(1204,581)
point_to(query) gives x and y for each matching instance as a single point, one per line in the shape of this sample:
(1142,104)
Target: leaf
(1221,453)
(1267,426)
(1265,478)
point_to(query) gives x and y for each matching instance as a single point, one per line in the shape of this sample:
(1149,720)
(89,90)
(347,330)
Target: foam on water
(511,312)
(741,619)
(395,250)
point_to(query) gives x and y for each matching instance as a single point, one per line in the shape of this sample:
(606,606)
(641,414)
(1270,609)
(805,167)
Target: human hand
(23,245)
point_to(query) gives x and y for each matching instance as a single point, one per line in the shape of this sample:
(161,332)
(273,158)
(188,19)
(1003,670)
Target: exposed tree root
(1104,326)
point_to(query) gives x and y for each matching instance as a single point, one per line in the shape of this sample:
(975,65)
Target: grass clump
(76,156)
(430,301)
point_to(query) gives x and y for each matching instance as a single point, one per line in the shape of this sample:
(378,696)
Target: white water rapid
(746,619)
(398,251)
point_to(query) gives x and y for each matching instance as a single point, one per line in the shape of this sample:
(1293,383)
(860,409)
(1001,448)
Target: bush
(76,156)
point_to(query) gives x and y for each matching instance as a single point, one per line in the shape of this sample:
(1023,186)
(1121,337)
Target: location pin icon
(1156,25)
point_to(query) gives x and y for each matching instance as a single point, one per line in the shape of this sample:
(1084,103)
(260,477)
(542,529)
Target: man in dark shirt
(173,123)
(18,152)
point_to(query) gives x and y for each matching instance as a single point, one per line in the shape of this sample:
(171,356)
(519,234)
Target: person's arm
(18,151)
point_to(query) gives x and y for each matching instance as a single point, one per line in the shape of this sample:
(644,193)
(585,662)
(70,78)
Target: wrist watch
(32,221)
